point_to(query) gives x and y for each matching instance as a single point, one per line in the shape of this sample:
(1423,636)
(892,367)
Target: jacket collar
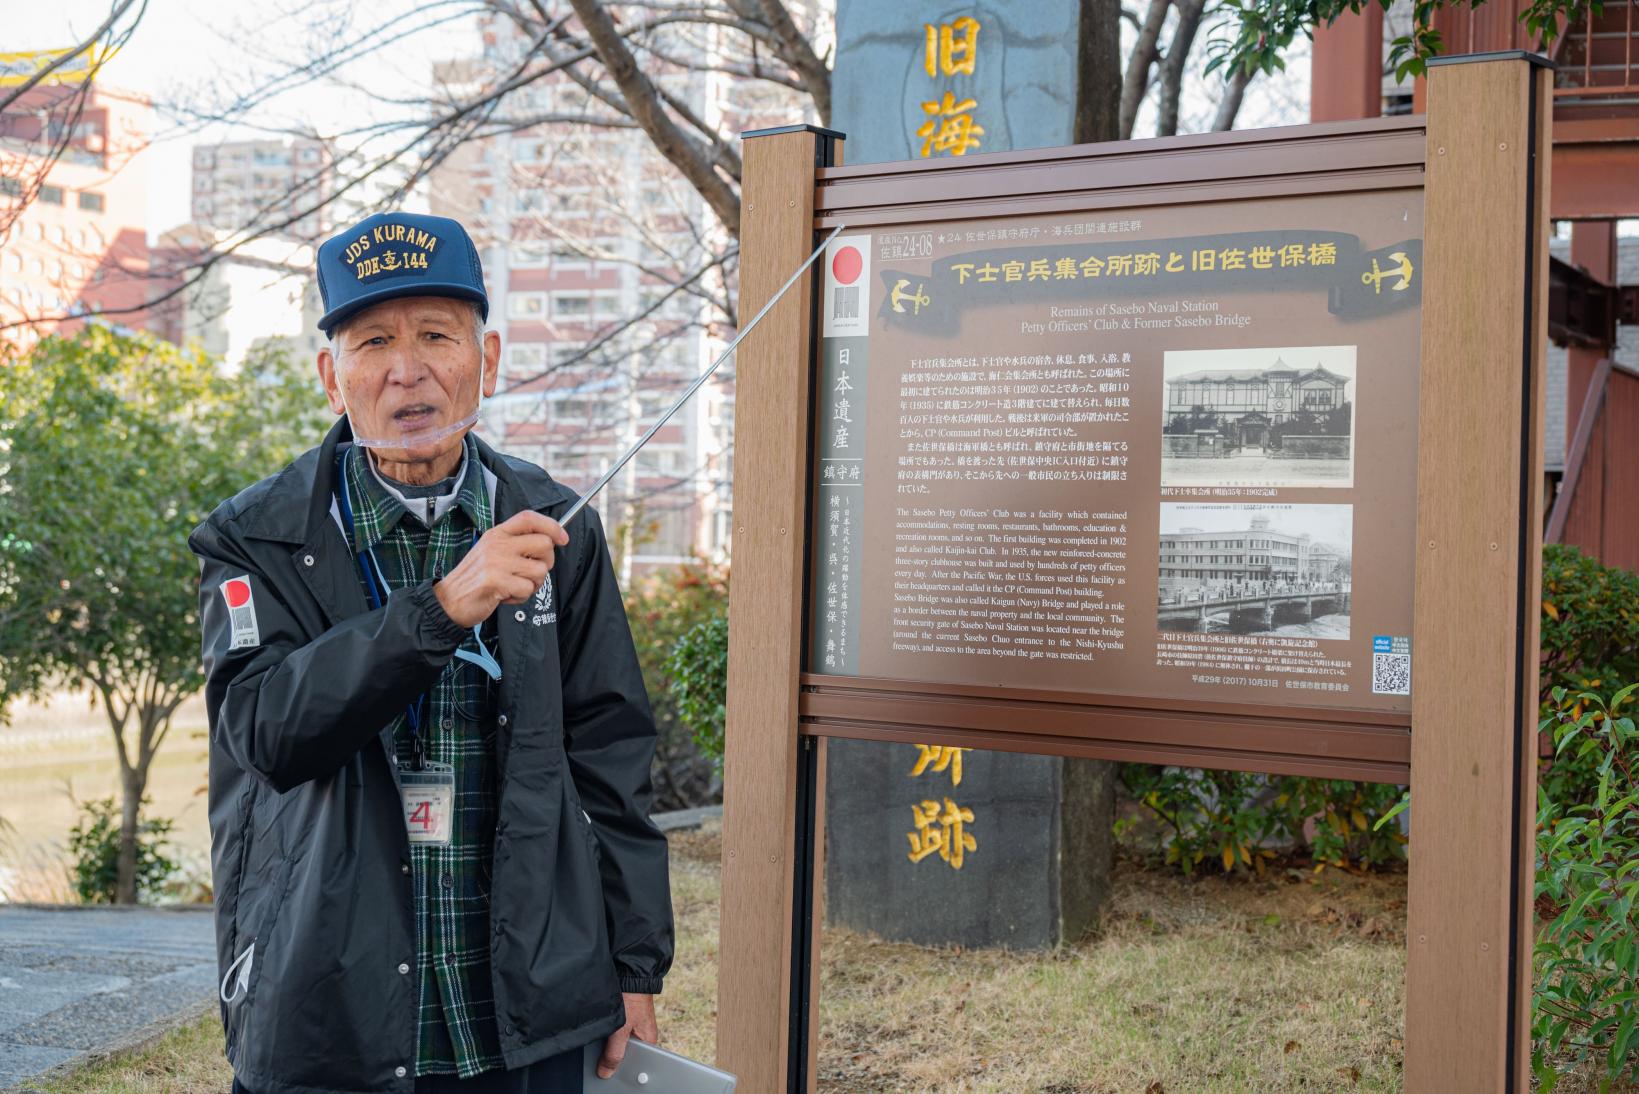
(377,509)
(297,503)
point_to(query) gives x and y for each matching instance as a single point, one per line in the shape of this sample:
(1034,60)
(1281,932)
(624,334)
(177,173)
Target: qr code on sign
(1391,674)
(847,302)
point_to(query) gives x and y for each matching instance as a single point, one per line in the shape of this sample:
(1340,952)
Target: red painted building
(73,211)
(1592,416)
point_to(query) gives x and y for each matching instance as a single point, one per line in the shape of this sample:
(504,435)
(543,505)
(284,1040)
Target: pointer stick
(701,379)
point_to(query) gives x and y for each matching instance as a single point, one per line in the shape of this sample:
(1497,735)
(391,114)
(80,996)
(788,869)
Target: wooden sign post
(1219,451)
(1479,577)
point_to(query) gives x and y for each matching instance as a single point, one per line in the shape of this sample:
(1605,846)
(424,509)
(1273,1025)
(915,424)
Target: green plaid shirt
(456,1006)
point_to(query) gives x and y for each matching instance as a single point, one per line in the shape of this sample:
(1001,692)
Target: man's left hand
(640,1023)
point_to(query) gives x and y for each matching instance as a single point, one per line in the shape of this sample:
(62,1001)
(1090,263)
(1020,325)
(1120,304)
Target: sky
(183,48)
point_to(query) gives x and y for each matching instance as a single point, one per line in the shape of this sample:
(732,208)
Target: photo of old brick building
(1259,417)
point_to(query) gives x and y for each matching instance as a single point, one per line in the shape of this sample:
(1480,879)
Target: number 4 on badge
(422,814)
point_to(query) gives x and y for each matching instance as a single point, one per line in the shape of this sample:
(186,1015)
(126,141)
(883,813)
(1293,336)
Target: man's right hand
(507,564)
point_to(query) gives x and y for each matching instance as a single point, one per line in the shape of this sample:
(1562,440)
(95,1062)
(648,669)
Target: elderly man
(430,743)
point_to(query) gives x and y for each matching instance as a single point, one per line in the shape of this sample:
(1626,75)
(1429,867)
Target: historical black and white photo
(1259,417)
(1255,569)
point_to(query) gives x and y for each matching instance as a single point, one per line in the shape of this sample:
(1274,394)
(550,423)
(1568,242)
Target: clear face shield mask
(412,437)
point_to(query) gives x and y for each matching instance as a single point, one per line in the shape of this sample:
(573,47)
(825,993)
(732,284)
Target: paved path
(76,979)
(73,980)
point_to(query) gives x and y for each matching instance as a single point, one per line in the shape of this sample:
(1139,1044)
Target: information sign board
(1157,451)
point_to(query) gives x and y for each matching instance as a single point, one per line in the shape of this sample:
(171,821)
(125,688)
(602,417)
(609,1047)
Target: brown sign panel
(1164,452)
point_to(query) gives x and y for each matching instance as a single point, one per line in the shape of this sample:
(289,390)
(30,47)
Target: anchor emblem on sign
(901,297)
(1377,276)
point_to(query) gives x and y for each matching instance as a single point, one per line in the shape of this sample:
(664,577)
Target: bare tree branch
(1143,57)
(1174,63)
(690,156)
(116,11)
(796,51)
(1230,105)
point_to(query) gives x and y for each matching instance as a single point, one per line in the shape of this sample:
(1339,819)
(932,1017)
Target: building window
(526,355)
(11,188)
(51,195)
(90,201)
(657,462)
(562,352)
(570,306)
(526,305)
(529,253)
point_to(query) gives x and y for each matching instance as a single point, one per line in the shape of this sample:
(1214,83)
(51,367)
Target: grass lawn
(1189,986)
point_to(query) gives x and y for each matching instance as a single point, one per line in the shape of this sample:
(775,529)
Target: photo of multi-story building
(1255,569)
(1258,417)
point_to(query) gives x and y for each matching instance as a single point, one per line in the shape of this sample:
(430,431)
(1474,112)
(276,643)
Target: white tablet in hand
(648,1069)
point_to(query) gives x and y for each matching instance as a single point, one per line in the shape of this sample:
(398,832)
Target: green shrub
(1590,638)
(94,842)
(662,608)
(1586,1002)
(699,682)
(1236,821)
(1590,622)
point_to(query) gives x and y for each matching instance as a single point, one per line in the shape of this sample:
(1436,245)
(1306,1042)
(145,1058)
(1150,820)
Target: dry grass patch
(187,1061)
(1190,986)
(687,1009)
(1286,984)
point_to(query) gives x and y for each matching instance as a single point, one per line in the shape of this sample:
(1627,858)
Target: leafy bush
(1345,814)
(1236,820)
(1587,954)
(699,675)
(94,841)
(1590,622)
(662,608)
(1590,638)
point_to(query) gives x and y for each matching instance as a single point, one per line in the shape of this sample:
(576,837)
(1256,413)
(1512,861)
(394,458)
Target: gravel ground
(73,980)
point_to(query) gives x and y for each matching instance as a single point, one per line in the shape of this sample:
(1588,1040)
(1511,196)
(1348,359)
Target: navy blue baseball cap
(397,254)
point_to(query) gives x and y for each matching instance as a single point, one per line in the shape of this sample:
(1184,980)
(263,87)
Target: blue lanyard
(377,585)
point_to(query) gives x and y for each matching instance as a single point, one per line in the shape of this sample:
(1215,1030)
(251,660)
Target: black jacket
(309,853)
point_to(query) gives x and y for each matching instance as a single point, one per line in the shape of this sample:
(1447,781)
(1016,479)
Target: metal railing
(1598,56)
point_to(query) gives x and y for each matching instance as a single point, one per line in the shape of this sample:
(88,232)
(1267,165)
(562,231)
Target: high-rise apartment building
(232,297)
(73,210)
(604,272)
(275,187)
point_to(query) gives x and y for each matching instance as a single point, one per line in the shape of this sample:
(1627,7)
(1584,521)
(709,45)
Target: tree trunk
(1098,76)
(1173,65)
(1088,786)
(1145,51)
(1230,105)
(133,783)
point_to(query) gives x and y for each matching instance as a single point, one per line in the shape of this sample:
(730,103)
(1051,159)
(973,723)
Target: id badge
(429,799)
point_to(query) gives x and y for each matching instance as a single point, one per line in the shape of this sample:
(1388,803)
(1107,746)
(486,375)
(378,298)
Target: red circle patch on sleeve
(237,591)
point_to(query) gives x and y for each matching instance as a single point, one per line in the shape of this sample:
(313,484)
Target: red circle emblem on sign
(847,264)
(237,591)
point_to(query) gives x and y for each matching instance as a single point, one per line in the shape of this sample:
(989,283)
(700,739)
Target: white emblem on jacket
(241,612)
(543,605)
